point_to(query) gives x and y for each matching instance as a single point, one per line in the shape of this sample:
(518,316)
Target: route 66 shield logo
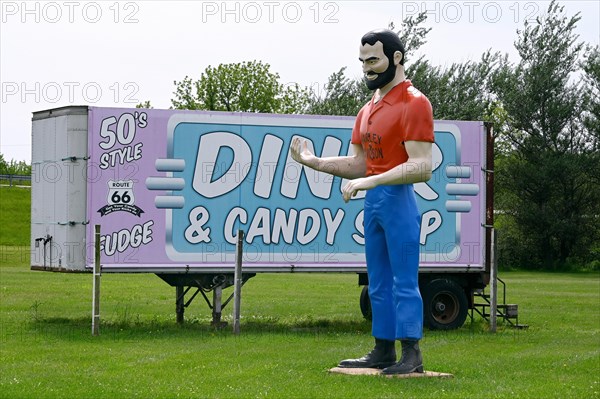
(120,198)
(120,192)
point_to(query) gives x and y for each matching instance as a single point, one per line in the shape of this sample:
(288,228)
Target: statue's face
(378,69)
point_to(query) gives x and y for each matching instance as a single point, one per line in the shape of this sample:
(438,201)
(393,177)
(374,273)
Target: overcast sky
(117,54)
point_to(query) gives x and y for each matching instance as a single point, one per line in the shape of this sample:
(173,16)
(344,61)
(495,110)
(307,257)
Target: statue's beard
(383,78)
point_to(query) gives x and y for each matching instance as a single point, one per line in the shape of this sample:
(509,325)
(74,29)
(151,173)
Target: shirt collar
(393,95)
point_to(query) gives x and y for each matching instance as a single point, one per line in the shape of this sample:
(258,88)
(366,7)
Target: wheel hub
(446,307)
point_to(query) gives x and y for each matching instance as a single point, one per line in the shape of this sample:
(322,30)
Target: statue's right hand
(300,152)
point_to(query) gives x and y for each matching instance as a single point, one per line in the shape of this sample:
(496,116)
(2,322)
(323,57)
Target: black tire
(445,305)
(365,303)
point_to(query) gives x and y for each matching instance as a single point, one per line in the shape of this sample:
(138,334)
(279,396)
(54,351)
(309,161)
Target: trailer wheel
(365,303)
(444,305)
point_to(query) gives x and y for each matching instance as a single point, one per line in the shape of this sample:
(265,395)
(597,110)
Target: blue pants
(392,226)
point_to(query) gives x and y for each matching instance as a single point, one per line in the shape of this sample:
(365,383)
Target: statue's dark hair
(390,40)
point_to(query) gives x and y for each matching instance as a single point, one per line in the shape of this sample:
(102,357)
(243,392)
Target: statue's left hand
(354,186)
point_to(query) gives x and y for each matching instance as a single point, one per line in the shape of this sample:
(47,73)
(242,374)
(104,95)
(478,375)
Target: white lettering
(208,152)
(121,156)
(124,239)
(359,225)
(320,183)
(332,224)
(267,163)
(229,232)
(260,226)
(430,222)
(283,225)
(303,236)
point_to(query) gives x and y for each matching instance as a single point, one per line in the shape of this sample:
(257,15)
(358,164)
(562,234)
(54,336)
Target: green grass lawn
(294,328)
(15,215)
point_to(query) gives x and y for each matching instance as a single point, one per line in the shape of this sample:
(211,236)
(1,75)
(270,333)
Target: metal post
(237,281)
(494,283)
(96,285)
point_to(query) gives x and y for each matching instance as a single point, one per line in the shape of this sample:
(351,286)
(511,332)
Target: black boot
(411,361)
(382,356)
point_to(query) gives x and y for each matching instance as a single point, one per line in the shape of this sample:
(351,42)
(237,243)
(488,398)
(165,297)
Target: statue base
(364,371)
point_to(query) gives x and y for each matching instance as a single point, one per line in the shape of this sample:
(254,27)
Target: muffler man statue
(391,142)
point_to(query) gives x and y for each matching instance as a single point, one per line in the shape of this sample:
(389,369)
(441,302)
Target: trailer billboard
(172,188)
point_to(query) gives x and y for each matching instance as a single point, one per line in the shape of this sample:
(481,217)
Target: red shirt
(382,128)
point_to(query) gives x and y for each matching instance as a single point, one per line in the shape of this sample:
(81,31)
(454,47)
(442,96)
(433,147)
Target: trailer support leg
(217,307)
(203,284)
(494,283)
(238,282)
(179,303)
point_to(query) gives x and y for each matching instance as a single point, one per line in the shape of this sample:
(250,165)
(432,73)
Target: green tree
(460,91)
(3,165)
(546,183)
(341,96)
(591,83)
(14,167)
(294,99)
(146,104)
(346,96)
(412,34)
(245,87)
